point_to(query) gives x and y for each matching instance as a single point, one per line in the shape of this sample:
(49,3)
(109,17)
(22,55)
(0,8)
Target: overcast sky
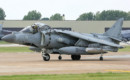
(16,9)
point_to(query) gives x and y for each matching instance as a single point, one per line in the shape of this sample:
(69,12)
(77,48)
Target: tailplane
(115,31)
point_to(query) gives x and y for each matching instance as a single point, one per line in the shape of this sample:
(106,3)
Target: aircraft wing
(88,38)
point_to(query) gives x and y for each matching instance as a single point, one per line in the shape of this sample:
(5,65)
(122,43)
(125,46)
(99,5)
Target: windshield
(27,29)
(35,28)
(42,26)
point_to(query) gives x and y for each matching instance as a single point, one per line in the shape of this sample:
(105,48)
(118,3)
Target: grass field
(3,42)
(126,49)
(26,49)
(88,76)
(14,49)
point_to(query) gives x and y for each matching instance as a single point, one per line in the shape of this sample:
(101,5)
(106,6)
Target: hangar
(80,26)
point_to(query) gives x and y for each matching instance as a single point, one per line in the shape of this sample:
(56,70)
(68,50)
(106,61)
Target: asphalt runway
(32,63)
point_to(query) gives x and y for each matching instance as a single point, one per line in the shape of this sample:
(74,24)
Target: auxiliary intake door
(44,39)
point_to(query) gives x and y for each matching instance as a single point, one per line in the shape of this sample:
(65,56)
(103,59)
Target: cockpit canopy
(35,28)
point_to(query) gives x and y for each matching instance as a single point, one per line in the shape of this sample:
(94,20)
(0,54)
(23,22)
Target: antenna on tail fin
(115,31)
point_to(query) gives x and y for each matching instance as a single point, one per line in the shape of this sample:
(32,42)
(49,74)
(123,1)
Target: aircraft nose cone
(9,38)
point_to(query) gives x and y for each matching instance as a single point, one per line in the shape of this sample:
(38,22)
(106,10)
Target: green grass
(14,49)
(3,42)
(88,76)
(26,49)
(126,49)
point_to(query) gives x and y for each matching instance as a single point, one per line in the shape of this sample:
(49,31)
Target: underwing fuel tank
(80,50)
(95,50)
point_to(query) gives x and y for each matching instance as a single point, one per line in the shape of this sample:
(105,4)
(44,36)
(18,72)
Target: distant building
(63,17)
(80,26)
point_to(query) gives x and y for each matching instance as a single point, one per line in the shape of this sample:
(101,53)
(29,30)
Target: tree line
(104,15)
(35,15)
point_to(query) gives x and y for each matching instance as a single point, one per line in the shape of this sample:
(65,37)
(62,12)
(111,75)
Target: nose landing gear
(46,56)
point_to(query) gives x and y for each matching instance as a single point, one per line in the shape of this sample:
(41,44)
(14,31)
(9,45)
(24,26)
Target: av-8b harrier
(43,38)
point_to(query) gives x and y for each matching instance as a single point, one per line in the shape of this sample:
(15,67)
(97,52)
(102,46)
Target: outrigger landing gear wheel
(101,58)
(46,57)
(59,57)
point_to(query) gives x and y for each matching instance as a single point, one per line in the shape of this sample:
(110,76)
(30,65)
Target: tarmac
(32,63)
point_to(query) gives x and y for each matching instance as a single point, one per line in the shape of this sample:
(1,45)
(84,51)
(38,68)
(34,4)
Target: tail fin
(115,31)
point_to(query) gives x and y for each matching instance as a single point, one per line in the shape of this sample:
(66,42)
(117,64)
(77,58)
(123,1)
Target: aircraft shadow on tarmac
(88,60)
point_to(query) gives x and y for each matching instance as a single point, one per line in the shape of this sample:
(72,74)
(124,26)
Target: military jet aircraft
(42,38)
(125,35)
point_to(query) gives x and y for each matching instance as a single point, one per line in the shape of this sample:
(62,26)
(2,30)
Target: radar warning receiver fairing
(42,38)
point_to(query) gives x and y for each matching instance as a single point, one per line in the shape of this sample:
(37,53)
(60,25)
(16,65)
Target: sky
(16,9)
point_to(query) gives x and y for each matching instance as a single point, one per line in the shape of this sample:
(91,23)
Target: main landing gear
(75,57)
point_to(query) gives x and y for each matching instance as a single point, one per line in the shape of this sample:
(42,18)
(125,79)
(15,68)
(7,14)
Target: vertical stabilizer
(115,31)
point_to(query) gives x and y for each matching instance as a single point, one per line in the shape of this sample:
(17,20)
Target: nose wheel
(46,57)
